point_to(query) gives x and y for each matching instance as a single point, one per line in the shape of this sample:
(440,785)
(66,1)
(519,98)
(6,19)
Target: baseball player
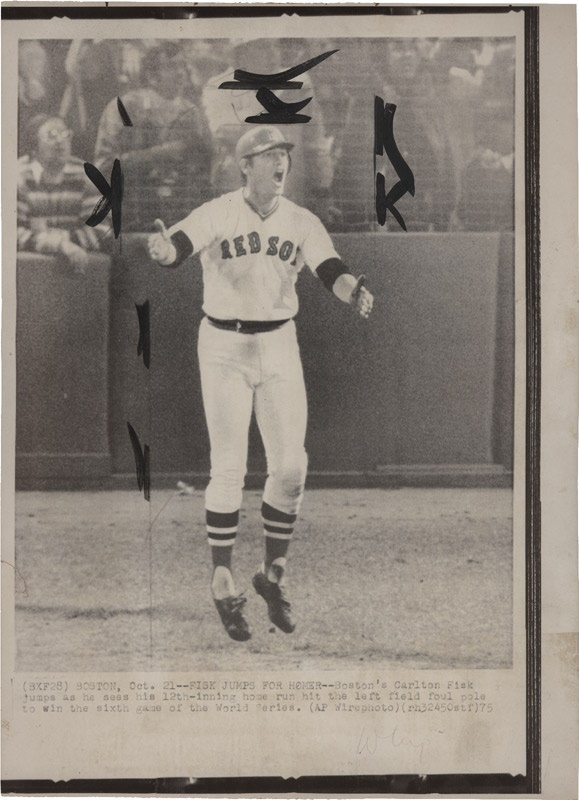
(252,243)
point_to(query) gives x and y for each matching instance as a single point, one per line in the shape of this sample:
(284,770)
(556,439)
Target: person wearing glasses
(165,153)
(54,195)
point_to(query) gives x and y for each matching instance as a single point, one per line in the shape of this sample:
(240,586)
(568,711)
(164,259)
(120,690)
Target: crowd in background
(454,126)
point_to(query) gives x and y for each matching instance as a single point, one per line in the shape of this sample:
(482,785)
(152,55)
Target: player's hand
(361,299)
(159,244)
(75,255)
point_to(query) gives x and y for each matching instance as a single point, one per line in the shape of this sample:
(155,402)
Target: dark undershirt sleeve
(331,269)
(183,245)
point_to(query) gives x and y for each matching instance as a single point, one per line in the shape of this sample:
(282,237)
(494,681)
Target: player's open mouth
(278,175)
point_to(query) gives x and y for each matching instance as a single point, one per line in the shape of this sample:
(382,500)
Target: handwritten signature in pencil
(369,740)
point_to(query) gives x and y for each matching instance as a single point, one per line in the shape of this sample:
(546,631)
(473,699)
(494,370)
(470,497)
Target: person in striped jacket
(55,197)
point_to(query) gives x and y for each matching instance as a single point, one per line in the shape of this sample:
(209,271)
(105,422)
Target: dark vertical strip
(504,369)
(147,474)
(127,122)
(144,343)
(378,128)
(378,151)
(142,463)
(117,182)
(137,452)
(533,417)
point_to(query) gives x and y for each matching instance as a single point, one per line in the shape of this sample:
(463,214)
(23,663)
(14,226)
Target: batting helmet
(258,140)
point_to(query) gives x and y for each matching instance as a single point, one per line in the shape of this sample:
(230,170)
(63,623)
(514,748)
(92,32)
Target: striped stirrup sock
(278,528)
(221,534)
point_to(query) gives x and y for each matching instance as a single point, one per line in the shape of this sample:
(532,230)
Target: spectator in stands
(459,76)
(165,154)
(496,59)
(204,58)
(37,60)
(41,81)
(422,135)
(487,197)
(53,202)
(347,98)
(96,71)
(32,90)
(476,80)
(311,175)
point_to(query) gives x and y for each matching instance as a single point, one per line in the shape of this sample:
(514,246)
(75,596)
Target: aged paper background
(559,287)
(248,744)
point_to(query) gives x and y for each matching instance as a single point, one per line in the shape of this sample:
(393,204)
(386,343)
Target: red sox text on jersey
(252,241)
(250,263)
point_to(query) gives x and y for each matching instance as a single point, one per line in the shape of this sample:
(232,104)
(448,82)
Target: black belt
(247,326)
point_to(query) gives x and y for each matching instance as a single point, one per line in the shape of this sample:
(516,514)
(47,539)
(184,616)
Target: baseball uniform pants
(260,372)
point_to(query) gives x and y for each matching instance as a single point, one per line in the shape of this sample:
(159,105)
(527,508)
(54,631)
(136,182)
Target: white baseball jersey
(251,263)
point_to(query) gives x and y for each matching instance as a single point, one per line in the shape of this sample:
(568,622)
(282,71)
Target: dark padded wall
(62,368)
(426,381)
(416,383)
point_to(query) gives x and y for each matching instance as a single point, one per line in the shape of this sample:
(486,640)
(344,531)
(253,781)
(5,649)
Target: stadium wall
(422,394)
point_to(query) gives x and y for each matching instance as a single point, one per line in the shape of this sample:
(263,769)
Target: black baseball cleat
(278,606)
(231,612)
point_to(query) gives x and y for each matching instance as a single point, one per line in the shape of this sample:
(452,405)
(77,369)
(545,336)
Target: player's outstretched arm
(352,291)
(160,246)
(170,250)
(336,277)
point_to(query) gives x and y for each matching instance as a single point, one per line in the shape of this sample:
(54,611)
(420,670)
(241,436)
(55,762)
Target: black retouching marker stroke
(142,463)
(127,122)
(278,112)
(277,80)
(271,102)
(112,196)
(378,128)
(384,142)
(385,202)
(144,345)
(111,200)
